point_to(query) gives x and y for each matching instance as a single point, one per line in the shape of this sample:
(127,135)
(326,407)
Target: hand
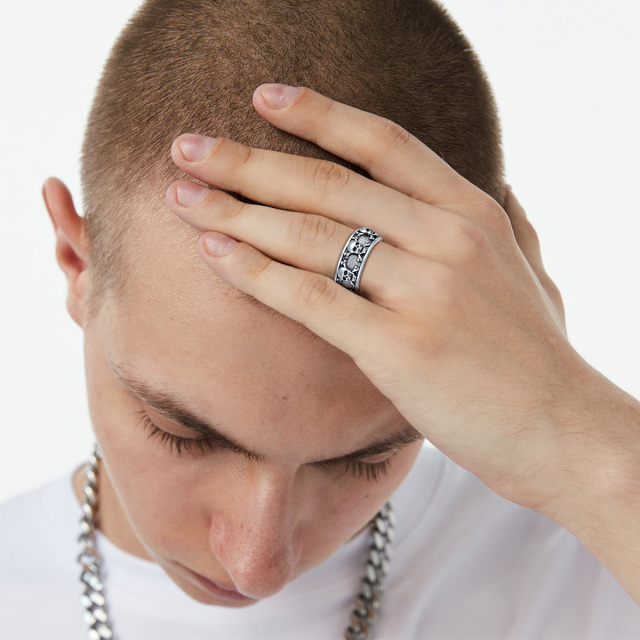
(457,322)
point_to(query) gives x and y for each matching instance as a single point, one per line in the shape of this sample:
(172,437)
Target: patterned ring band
(354,254)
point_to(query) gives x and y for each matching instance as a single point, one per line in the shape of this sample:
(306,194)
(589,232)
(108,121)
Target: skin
(459,331)
(469,336)
(248,525)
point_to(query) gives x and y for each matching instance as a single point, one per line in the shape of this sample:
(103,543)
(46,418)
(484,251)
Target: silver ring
(354,254)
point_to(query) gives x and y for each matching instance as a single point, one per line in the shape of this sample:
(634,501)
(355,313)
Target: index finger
(389,153)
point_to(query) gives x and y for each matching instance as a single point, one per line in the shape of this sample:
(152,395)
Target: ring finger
(307,241)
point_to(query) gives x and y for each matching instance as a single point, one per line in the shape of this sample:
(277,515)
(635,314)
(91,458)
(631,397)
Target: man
(244,456)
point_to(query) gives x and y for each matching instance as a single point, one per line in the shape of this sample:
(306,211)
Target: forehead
(170,294)
(184,331)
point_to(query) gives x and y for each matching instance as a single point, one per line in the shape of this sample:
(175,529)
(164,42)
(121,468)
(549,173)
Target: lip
(220,591)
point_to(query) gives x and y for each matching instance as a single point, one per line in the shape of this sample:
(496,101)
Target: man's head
(291,449)
(192,65)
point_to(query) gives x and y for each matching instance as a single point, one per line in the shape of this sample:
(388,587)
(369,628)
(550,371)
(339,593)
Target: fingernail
(194,147)
(189,194)
(279,96)
(217,244)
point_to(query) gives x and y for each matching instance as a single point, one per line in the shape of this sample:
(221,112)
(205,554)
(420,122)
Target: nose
(255,537)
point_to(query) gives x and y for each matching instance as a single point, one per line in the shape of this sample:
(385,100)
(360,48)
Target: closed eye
(372,467)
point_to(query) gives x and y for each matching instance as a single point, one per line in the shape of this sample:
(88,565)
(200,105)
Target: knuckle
(448,288)
(391,134)
(470,242)
(307,229)
(235,154)
(234,207)
(257,267)
(493,216)
(316,290)
(227,205)
(222,147)
(326,176)
(449,297)
(326,107)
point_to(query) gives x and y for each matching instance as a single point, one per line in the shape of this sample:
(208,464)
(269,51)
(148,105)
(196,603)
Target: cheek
(158,497)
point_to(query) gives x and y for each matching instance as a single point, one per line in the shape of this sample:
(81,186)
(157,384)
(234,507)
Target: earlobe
(71,244)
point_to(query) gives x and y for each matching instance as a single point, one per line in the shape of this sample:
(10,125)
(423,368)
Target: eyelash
(372,471)
(175,443)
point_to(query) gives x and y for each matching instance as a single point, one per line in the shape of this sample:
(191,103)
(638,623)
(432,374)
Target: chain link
(92,599)
(371,589)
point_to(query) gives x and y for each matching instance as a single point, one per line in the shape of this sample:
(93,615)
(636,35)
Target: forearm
(602,504)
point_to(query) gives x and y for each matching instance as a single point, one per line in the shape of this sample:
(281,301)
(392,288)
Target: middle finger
(309,185)
(307,241)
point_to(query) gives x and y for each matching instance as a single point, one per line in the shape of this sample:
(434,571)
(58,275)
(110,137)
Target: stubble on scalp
(192,66)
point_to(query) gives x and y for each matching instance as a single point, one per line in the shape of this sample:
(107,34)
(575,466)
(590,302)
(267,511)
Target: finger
(348,321)
(306,241)
(390,154)
(523,230)
(306,184)
(529,243)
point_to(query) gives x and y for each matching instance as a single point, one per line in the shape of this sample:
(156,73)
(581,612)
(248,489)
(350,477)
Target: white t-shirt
(467,564)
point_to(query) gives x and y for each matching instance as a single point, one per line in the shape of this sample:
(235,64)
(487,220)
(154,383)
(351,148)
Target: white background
(565,75)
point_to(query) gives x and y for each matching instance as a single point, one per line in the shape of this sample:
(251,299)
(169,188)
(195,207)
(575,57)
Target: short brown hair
(192,65)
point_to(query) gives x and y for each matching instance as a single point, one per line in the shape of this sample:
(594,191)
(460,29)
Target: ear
(71,244)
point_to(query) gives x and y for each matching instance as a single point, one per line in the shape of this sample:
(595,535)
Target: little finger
(349,322)
(307,241)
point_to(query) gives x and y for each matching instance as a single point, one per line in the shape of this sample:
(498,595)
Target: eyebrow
(174,409)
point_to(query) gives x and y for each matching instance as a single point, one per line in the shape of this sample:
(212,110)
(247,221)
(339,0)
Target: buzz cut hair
(192,66)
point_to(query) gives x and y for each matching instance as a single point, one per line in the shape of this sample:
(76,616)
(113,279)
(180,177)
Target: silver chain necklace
(95,605)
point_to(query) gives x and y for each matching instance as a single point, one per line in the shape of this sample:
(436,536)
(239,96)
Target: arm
(601,503)
(457,322)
